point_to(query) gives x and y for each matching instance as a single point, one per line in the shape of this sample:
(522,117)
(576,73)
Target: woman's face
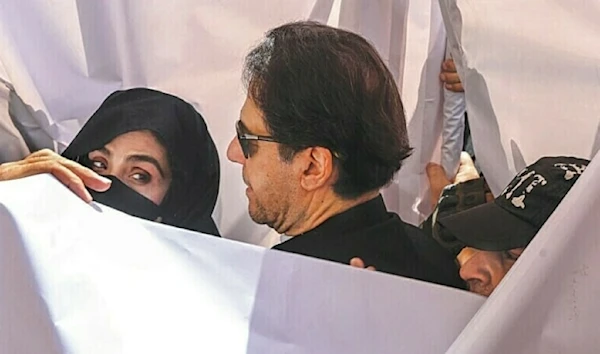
(138,160)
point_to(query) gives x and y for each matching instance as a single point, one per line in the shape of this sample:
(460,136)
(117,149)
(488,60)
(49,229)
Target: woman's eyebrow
(105,151)
(149,159)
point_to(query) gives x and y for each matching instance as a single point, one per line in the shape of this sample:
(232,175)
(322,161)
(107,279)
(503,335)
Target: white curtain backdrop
(63,58)
(531,72)
(411,38)
(532,77)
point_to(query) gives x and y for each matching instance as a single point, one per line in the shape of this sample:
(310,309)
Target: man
(491,237)
(321,132)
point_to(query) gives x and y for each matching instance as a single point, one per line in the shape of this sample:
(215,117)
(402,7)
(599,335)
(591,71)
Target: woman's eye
(141,177)
(98,165)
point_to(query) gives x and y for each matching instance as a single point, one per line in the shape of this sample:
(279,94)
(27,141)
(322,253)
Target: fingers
(437,175)
(458,87)
(450,77)
(86,176)
(435,171)
(42,154)
(448,65)
(73,175)
(89,178)
(71,180)
(23,168)
(437,181)
(452,82)
(359,263)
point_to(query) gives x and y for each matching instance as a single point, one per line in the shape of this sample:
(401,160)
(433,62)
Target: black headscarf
(192,155)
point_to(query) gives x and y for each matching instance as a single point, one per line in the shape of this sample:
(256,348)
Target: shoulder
(438,264)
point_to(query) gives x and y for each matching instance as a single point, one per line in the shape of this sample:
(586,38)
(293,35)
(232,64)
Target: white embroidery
(521,180)
(519,201)
(572,172)
(537,179)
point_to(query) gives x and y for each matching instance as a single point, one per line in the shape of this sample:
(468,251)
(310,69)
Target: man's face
(483,270)
(272,183)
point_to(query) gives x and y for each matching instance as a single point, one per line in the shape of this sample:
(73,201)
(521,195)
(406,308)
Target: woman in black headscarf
(169,143)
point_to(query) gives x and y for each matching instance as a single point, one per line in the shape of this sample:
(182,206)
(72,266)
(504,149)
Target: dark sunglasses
(245,138)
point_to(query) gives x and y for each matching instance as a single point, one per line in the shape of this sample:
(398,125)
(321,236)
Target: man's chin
(255,215)
(259,216)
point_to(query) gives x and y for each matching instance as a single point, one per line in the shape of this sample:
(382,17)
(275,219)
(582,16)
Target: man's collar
(370,212)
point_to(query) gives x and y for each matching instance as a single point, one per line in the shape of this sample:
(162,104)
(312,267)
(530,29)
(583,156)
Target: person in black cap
(154,149)
(489,238)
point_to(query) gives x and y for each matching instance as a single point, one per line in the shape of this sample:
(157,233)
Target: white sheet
(548,303)
(531,72)
(78,278)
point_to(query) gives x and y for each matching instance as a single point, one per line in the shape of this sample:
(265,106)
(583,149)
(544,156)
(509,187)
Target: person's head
(328,117)
(494,235)
(157,150)
(483,270)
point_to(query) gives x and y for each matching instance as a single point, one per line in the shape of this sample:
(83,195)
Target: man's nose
(474,269)
(234,152)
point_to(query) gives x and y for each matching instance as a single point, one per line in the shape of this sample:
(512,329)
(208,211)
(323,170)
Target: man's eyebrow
(149,159)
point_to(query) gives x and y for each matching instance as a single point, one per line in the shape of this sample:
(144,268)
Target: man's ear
(317,168)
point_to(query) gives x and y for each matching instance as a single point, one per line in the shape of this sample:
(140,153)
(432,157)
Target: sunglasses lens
(243,142)
(244,145)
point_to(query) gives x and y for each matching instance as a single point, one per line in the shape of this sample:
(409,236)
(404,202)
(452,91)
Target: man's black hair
(321,86)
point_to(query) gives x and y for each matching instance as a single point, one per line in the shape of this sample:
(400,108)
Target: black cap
(514,218)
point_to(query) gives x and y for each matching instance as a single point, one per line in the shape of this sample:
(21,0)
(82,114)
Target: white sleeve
(453,130)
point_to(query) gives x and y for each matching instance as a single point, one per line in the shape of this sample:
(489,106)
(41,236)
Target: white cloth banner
(531,72)
(548,302)
(79,278)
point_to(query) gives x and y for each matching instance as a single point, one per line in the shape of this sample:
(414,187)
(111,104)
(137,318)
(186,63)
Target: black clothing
(380,239)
